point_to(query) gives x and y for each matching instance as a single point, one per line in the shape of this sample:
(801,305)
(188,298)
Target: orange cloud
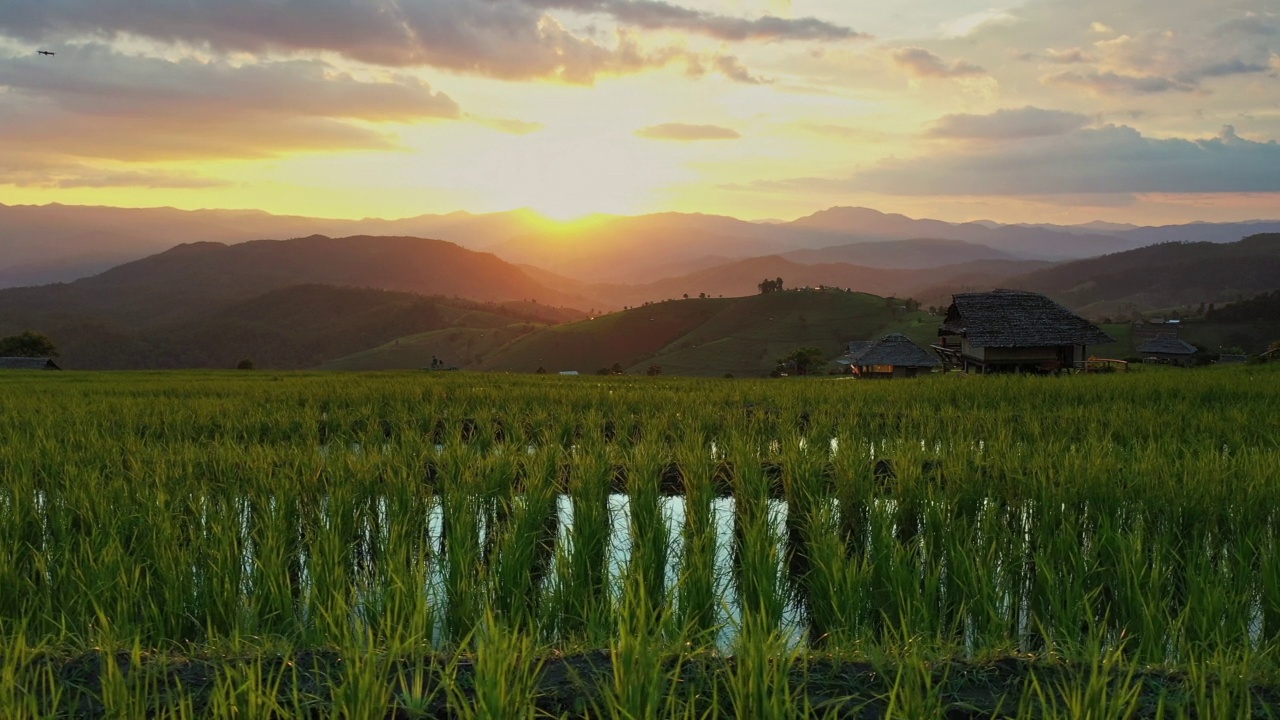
(93,102)
(922,63)
(683,132)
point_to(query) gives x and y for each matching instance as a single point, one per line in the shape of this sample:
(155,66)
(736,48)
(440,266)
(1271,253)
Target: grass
(461,545)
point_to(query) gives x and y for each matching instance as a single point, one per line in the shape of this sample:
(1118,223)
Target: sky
(1062,111)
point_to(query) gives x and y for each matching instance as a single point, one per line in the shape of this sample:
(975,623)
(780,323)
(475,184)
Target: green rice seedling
(758,545)
(645,574)
(582,591)
(696,589)
(504,681)
(526,545)
(464,586)
(249,689)
(639,687)
(363,692)
(758,682)
(417,687)
(915,692)
(1107,688)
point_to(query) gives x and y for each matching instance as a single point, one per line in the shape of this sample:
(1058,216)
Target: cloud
(1068,56)
(509,39)
(684,132)
(1112,83)
(1109,159)
(1234,66)
(732,68)
(93,79)
(922,63)
(651,15)
(1008,124)
(511,126)
(93,102)
(1246,25)
(28,170)
(1175,59)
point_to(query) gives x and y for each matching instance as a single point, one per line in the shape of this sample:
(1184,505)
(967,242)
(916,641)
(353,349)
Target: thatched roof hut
(1015,330)
(893,355)
(1016,318)
(27,363)
(1167,344)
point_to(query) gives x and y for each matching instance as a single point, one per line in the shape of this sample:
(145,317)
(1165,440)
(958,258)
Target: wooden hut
(1169,349)
(1014,331)
(892,356)
(27,363)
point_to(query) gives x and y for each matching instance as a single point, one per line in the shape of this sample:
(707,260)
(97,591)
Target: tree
(541,370)
(654,370)
(768,286)
(803,360)
(616,369)
(245,364)
(28,344)
(686,296)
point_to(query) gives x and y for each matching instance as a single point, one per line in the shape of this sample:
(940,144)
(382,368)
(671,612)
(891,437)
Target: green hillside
(623,337)
(456,346)
(747,338)
(713,336)
(1160,276)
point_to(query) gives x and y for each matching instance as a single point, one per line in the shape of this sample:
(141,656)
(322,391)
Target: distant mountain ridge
(59,243)
(915,254)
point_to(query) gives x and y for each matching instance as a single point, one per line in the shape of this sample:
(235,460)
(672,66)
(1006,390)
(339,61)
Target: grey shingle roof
(27,363)
(892,349)
(1016,318)
(1167,344)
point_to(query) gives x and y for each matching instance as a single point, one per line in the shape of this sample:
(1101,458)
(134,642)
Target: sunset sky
(1146,111)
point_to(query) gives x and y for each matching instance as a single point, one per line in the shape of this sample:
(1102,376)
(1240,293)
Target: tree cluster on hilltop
(768,286)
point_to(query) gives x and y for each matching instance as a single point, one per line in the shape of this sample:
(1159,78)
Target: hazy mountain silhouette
(901,254)
(59,243)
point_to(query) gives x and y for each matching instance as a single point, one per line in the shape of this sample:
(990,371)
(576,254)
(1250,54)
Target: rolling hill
(166,310)
(742,277)
(1169,275)
(287,328)
(712,336)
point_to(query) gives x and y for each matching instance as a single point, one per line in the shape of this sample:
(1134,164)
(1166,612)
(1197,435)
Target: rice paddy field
(180,545)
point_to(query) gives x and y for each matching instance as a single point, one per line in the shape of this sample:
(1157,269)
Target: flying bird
(46,52)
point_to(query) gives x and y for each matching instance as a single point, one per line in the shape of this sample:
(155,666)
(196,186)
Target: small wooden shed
(892,356)
(1169,349)
(27,363)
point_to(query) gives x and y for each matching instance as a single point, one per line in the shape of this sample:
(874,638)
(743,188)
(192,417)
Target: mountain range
(60,243)
(379,301)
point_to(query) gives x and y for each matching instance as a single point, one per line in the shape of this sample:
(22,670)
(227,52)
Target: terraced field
(478,545)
